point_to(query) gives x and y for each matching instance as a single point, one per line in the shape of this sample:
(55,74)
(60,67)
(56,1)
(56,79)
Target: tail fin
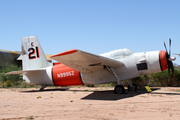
(32,54)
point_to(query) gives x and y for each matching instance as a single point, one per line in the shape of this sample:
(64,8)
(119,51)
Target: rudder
(33,56)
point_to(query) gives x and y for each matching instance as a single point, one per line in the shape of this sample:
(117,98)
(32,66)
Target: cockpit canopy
(118,53)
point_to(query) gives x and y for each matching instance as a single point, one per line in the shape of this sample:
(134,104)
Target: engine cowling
(157,61)
(163,60)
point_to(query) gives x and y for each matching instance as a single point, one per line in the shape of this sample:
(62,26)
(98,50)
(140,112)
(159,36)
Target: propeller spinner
(169,59)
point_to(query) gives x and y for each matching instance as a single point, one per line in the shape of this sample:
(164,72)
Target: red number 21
(32,52)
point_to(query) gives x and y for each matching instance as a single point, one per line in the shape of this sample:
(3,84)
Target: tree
(13,79)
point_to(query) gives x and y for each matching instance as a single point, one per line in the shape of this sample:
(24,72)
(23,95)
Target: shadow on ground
(166,93)
(48,89)
(109,94)
(98,95)
(106,94)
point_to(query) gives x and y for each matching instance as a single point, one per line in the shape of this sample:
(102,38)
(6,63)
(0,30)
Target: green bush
(154,80)
(8,83)
(13,80)
(159,79)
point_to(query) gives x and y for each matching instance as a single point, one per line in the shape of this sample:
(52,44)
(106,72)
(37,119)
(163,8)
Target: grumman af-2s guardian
(76,67)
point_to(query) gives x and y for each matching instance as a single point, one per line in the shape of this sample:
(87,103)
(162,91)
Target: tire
(132,89)
(119,89)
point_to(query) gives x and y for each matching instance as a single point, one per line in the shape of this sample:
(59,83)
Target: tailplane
(33,56)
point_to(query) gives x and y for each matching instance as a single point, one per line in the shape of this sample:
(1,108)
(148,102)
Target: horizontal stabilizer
(46,55)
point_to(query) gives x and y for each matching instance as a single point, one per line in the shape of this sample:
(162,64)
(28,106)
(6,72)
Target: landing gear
(119,89)
(42,88)
(132,88)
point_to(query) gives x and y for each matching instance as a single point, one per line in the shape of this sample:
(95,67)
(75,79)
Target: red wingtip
(65,53)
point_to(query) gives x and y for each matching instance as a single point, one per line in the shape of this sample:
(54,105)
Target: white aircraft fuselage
(135,64)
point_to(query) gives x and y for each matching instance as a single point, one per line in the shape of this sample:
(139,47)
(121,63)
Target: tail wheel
(42,88)
(132,88)
(119,89)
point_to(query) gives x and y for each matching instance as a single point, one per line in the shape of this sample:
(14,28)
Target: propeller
(169,59)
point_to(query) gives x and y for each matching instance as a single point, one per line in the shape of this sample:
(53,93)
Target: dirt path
(89,104)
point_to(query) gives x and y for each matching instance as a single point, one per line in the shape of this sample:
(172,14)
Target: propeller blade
(165,47)
(169,61)
(172,67)
(169,70)
(169,80)
(169,46)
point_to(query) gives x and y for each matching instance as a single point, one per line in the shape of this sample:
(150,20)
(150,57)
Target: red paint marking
(32,52)
(65,53)
(57,63)
(32,44)
(37,52)
(65,76)
(163,60)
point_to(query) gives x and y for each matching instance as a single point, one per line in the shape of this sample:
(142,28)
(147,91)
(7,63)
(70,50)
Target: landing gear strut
(42,88)
(119,89)
(132,87)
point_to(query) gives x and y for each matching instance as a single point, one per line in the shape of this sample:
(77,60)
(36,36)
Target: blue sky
(95,26)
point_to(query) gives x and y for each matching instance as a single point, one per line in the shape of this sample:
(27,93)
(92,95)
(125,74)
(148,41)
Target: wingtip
(65,53)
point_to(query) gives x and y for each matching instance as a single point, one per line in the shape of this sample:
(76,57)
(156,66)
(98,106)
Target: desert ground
(85,103)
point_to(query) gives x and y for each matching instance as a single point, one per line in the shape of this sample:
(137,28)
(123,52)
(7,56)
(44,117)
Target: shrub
(13,79)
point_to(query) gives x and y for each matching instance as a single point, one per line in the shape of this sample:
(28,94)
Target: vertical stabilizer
(32,54)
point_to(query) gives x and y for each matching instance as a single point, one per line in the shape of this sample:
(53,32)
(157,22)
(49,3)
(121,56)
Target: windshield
(118,53)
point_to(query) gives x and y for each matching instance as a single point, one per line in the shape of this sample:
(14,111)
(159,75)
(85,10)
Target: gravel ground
(86,103)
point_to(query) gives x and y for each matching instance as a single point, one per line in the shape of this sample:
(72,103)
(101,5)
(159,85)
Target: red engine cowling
(65,76)
(163,60)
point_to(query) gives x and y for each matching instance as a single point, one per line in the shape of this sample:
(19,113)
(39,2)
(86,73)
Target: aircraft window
(121,53)
(118,53)
(127,52)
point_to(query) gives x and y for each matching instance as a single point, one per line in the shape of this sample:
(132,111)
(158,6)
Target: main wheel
(134,88)
(119,89)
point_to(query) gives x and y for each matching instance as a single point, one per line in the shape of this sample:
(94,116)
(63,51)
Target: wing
(26,71)
(176,54)
(84,61)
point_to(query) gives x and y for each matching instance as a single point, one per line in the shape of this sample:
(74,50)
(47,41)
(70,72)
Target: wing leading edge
(26,71)
(84,61)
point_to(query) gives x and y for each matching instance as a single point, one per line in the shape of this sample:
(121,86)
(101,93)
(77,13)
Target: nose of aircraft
(163,60)
(166,61)
(172,58)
